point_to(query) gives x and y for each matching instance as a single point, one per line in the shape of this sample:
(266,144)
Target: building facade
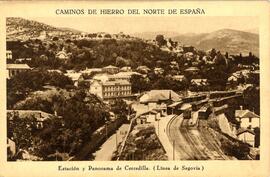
(14,69)
(111,89)
(9,55)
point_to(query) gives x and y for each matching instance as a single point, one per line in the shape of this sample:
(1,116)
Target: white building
(179,78)
(62,55)
(14,69)
(123,75)
(109,90)
(247,119)
(158,70)
(199,82)
(9,55)
(158,99)
(247,136)
(111,69)
(148,116)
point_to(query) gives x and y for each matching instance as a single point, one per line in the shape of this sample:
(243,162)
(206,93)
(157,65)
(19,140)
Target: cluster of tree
(99,53)
(236,149)
(22,84)
(78,117)
(89,53)
(251,97)
(153,81)
(246,60)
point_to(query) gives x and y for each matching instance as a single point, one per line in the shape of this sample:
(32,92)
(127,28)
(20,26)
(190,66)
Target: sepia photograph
(133,88)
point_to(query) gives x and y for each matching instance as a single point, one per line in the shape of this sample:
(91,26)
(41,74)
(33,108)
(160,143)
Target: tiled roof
(119,82)
(148,112)
(159,95)
(243,130)
(245,114)
(18,66)
(192,69)
(110,67)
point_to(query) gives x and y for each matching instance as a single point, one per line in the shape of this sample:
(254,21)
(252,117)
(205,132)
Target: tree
(120,108)
(21,130)
(257,136)
(160,40)
(55,38)
(107,36)
(138,84)
(252,99)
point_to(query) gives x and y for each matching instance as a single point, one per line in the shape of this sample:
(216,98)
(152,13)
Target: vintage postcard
(135,88)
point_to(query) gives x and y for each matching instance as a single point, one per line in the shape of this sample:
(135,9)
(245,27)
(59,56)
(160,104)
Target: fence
(123,144)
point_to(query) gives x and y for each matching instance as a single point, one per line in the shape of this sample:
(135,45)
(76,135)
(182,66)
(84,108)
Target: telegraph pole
(158,127)
(106,131)
(173,149)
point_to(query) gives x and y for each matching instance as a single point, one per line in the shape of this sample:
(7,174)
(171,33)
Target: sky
(130,25)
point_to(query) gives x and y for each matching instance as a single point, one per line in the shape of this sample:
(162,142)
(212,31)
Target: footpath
(109,146)
(161,129)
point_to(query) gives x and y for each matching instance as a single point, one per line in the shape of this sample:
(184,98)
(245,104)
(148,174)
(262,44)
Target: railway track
(191,143)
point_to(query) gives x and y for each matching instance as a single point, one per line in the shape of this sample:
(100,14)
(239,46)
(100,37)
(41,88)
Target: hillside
(20,28)
(232,41)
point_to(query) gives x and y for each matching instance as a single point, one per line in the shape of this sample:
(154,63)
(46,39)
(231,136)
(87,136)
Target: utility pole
(106,131)
(173,149)
(158,127)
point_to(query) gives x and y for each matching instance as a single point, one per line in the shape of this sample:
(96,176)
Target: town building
(123,75)
(179,78)
(62,55)
(247,119)
(143,69)
(148,116)
(9,55)
(110,69)
(199,84)
(158,70)
(14,69)
(110,90)
(23,60)
(192,70)
(159,99)
(246,135)
(91,70)
(126,68)
(43,35)
(103,77)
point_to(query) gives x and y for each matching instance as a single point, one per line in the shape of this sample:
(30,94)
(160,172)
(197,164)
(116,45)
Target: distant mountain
(253,30)
(21,28)
(152,35)
(225,40)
